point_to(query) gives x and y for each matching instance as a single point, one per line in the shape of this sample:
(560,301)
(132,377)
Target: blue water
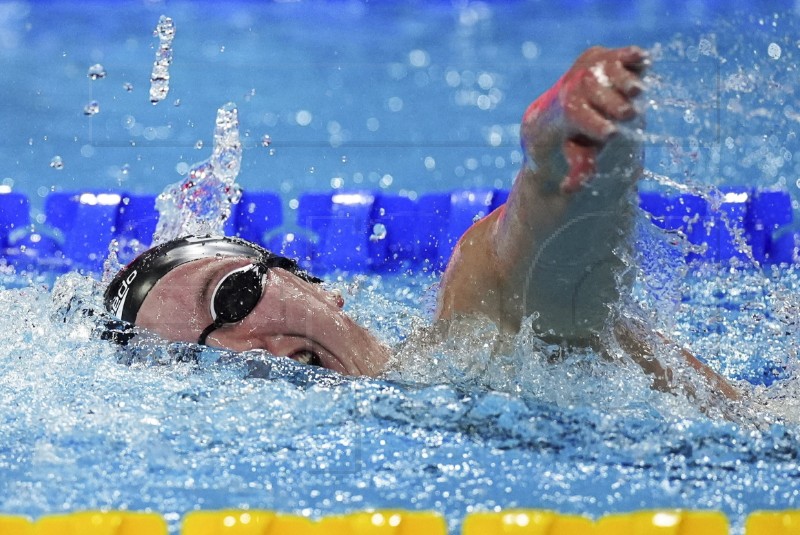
(414,97)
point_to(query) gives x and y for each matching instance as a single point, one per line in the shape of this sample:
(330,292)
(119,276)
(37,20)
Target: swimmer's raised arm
(554,248)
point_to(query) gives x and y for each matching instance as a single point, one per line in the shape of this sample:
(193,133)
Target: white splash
(201,203)
(159,77)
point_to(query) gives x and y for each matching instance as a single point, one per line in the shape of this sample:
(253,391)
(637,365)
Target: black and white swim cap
(129,288)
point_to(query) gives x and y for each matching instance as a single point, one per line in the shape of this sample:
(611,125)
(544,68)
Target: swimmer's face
(293,318)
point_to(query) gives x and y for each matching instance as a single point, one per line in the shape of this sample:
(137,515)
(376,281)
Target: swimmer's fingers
(626,82)
(614,80)
(581,156)
(599,92)
(633,58)
(605,98)
(585,119)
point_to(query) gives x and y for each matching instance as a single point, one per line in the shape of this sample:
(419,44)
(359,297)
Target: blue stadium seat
(785,249)
(313,215)
(499,198)
(690,213)
(393,246)
(137,218)
(87,221)
(314,211)
(663,209)
(345,242)
(433,213)
(14,214)
(466,206)
(730,225)
(296,245)
(372,231)
(32,251)
(769,211)
(258,214)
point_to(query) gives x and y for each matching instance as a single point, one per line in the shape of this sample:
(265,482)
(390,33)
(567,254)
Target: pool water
(405,98)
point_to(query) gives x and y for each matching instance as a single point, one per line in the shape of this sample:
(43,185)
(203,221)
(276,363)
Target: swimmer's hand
(564,130)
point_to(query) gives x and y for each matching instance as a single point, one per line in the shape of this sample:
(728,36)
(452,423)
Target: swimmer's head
(233,294)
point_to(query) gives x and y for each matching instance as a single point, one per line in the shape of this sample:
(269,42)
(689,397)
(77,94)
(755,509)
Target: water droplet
(159,77)
(177,102)
(344,158)
(198,144)
(92,108)
(57,163)
(705,47)
(378,232)
(266,141)
(96,72)
(127,86)
(774,50)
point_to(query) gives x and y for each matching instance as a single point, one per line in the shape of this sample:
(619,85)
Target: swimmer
(551,252)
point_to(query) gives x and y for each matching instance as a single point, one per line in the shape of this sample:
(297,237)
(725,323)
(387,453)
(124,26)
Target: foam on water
(575,433)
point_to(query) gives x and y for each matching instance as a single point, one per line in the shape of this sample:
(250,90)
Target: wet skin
(293,317)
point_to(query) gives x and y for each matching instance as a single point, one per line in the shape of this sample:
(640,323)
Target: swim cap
(127,291)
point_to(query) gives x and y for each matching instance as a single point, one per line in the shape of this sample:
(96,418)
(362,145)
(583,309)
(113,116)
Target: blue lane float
(368,231)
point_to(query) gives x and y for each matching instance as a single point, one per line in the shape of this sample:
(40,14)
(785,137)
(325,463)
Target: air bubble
(127,86)
(57,163)
(266,141)
(198,144)
(774,50)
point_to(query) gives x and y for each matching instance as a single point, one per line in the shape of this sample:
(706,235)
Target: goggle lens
(237,294)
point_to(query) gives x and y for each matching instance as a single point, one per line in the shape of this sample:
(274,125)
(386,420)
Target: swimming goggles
(234,297)
(237,293)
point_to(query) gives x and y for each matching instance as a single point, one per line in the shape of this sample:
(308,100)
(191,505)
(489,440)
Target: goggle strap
(289,265)
(208,330)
